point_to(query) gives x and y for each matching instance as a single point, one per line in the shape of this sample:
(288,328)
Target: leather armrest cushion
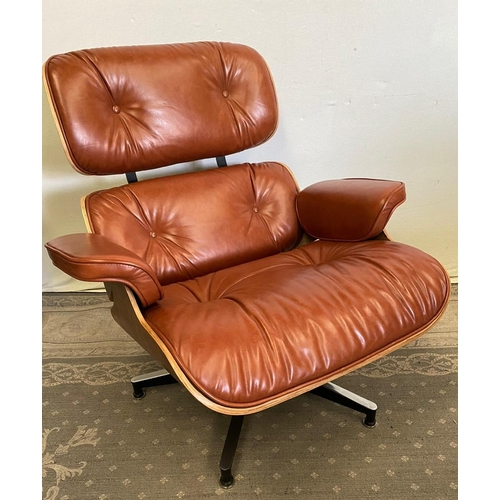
(92,257)
(348,209)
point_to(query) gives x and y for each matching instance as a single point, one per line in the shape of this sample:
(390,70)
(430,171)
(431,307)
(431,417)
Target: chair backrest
(189,225)
(128,109)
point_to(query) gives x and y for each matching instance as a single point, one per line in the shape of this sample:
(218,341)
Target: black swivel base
(159,377)
(328,391)
(350,400)
(226,460)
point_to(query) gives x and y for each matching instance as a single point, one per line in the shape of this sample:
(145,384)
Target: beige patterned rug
(100,443)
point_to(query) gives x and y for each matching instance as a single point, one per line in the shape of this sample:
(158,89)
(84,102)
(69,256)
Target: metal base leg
(229,450)
(347,398)
(159,377)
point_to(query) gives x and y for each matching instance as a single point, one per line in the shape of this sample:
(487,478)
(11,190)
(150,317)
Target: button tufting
(225,93)
(152,234)
(116,109)
(255,209)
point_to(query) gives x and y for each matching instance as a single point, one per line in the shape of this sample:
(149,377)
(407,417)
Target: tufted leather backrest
(128,109)
(188,225)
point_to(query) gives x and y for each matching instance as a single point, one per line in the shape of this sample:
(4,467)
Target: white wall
(366,89)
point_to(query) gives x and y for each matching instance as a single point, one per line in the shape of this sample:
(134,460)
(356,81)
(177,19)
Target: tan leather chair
(246,289)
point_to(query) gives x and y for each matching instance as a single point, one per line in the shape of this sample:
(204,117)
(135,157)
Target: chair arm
(92,257)
(348,209)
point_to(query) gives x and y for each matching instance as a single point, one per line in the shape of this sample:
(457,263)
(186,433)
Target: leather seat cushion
(250,333)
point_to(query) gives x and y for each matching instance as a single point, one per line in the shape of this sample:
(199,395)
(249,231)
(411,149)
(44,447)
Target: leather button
(152,234)
(225,93)
(116,109)
(255,209)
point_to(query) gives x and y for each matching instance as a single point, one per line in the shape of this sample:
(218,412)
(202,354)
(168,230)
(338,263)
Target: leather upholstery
(229,301)
(126,109)
(251,333)
(189,225)
(348,209)
(91,257)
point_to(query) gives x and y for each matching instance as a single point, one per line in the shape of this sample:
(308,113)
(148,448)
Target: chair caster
(140,394)
(370,419)
(369,423)
(226,482)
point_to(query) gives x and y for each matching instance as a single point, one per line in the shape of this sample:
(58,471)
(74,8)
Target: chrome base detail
(159,377)
(349,399)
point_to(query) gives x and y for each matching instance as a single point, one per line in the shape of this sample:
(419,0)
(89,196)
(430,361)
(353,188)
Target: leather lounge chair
(248,290)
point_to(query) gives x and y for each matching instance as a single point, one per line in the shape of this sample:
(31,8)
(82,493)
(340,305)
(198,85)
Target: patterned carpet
(101,443)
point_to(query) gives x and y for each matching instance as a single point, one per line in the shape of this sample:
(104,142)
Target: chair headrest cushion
(128,109)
